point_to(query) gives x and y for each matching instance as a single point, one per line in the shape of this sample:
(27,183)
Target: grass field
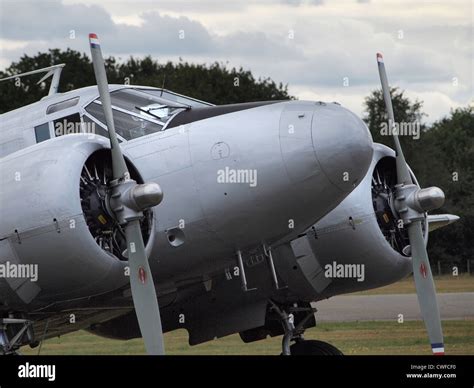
(354,338)
(444,283)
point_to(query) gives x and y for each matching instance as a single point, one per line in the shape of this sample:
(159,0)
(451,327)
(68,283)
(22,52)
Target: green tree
(77,73)
(449,164)
(405,112)
(443,156)
(214,83)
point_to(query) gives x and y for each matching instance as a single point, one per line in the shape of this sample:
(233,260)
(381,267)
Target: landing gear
(314,348)
(12,335)
(294,333)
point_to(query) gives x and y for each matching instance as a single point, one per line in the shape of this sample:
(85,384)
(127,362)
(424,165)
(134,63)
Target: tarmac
(346,308)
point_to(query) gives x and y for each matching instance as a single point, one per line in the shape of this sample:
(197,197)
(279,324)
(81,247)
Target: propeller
(128,200)
(412,202)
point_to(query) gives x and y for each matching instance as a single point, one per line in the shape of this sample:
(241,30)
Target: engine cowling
(359,245)
(45,223)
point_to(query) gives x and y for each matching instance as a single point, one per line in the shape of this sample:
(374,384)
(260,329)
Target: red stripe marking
(423,270)
(142,275)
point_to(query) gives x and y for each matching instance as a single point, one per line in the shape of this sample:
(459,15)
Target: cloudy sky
(324,49)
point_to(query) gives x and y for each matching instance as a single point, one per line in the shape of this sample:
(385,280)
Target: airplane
(131,211)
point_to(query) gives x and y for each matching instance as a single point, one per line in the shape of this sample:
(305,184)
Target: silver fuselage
(307,157)
(259,177)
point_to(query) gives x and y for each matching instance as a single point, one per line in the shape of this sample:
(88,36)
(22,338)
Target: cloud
(42,20)
(297,3)
(157,34)
(125,7)
(161,34)
(333,42)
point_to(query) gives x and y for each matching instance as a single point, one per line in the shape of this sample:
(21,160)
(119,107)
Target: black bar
(329,371)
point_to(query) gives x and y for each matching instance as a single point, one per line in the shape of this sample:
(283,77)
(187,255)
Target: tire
(314,348)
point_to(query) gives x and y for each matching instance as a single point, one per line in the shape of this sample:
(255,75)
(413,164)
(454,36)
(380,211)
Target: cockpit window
(126,125)
(176,98)
(139,112)
(144,104)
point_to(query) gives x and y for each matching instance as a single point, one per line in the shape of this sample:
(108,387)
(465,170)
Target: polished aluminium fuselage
(306,158)
(283,144)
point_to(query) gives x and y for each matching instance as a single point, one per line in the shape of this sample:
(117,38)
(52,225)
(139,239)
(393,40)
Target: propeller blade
(421,201)
(436,221)
(143,290)
(118,162)
(143,196)
(403,174)
(425,288)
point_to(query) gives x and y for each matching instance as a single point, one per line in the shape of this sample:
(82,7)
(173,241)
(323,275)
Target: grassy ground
(356,338)
(444,283)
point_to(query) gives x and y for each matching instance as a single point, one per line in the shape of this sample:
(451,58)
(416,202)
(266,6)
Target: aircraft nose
(343,145)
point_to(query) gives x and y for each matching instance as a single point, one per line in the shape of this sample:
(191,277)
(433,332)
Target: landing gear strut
(292,332)
(295,333)
(12,332)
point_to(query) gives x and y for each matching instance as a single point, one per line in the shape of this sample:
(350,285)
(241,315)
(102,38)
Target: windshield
(127,126)
(140,112)
(176,98)
(144,104)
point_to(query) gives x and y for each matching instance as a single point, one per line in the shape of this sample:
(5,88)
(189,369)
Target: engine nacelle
(45,226)
(359,245)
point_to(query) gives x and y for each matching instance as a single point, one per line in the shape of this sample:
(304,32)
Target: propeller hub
(429,199)
(412,203)
(146,195)
(127,200)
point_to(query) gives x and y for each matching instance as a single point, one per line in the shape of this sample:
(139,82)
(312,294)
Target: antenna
(54,71)
(163,84)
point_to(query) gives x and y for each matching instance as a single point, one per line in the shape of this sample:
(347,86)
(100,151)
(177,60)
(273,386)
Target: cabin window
(42,132)
(62,105)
